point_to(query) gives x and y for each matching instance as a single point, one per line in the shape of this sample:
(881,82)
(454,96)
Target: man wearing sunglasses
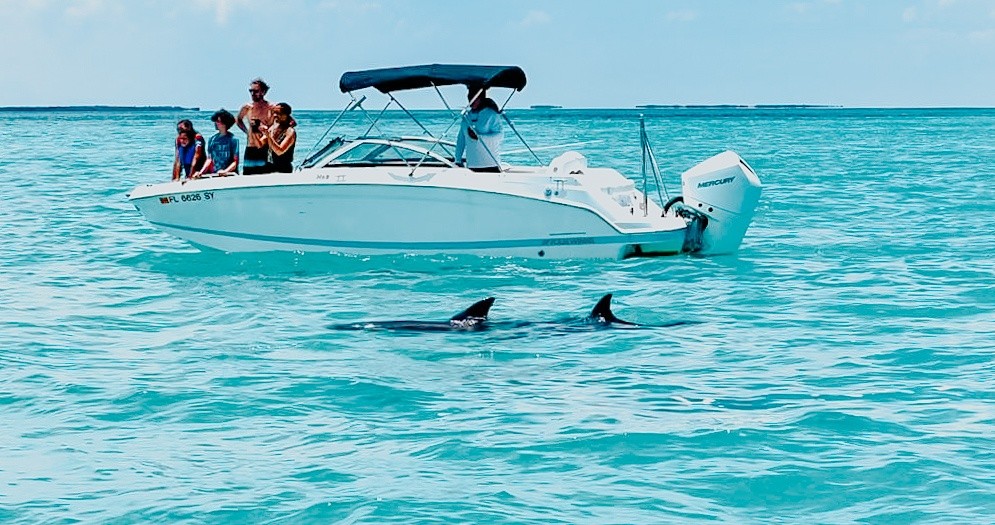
(252,118)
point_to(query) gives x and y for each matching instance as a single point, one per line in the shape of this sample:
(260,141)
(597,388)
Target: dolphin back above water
(473,318)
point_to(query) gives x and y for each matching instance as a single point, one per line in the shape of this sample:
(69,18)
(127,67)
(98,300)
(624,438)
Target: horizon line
(541,107)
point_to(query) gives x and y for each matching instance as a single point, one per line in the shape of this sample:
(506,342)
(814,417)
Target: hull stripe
(653,237)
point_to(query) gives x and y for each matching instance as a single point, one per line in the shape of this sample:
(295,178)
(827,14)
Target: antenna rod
(643,145)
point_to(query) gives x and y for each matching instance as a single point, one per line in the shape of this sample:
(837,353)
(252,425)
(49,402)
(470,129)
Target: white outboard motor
(726,190)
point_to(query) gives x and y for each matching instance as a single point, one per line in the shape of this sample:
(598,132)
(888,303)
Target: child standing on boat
(189,153)
(222,149)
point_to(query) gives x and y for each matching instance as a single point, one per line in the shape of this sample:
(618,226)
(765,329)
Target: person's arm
(460,143)
(177,168)
(199,155)
(233,167)
(204,169)
(280,147)
(260,135)
(489,123)
(240,119)
(208,165)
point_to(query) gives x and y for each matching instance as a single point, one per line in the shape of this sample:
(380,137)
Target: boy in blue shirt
(222,148)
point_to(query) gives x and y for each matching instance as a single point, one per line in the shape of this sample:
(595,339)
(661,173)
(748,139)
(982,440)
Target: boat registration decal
(186,197)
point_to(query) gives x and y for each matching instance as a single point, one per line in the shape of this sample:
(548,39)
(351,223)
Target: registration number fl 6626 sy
(187,197)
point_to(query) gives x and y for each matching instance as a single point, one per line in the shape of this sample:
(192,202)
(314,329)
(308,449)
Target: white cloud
(943,4)
(806,7)
(24,5)
(10,8)
(346,6)
(684,15)
(223,9)
(799,7)
(910,14)
(535,18)
(82,8)
(981,36)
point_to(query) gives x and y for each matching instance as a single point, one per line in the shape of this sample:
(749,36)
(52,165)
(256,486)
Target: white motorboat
(407,195)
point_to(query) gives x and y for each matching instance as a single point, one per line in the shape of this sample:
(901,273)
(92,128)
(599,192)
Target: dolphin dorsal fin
(602,311)
(476,310)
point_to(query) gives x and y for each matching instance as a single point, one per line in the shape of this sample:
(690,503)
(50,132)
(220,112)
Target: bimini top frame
(389,80)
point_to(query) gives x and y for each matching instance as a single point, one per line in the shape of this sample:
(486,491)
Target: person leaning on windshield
(480,133)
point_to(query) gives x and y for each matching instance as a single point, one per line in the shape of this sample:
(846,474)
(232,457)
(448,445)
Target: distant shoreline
(736,106)
(535,107)
(96,108)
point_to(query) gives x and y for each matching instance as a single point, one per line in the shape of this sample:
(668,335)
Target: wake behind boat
(381,194)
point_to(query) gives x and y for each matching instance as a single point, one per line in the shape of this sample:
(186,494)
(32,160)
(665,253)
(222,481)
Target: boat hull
(368,219)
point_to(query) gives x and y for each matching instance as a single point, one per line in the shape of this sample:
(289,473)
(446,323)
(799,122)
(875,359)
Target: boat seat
(569,163)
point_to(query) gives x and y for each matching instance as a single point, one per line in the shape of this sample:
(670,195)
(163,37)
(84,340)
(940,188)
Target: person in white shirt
(480,134)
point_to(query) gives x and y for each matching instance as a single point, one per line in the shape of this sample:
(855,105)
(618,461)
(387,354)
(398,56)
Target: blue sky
(577,53)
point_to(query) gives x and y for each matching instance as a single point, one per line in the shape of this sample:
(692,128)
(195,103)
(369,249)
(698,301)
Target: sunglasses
(255,91)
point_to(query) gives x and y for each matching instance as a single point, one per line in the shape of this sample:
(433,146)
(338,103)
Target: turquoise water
(838,369)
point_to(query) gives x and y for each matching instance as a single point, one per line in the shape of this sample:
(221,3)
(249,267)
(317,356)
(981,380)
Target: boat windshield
(384,153)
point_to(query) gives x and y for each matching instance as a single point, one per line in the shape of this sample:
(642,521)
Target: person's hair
(284,107)
(261,83)
(185,122)
(224,116)
(190,134)
(485,101)
(473,89)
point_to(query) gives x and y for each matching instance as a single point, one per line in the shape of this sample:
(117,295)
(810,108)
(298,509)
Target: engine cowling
(725,189)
